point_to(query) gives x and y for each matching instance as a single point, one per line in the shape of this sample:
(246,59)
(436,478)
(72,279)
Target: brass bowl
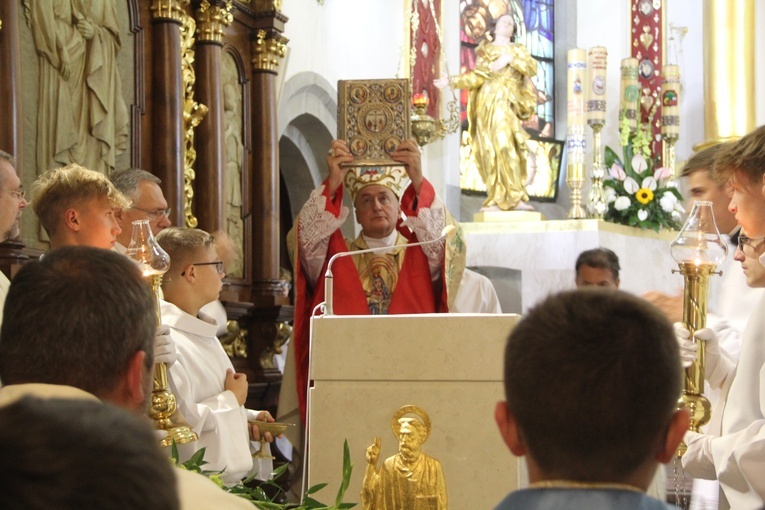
(275,428)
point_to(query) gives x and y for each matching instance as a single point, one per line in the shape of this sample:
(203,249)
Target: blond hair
(702,160)
(745,157)
(181,244)
(57,190)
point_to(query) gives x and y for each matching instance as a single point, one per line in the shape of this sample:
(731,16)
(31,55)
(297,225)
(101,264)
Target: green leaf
(347,470)
(312,503)
(174,453)
(316,488)
(611,158)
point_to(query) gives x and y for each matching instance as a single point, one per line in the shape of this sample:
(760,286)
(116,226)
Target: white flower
(639,164)
(617,172)
(622,203)
(679,208)
(667,202)
(650,183)
(662,173)
(631,186)
(610,194)
(642,214)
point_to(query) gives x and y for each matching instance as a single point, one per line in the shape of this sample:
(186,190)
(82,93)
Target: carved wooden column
(212,16)
(10,81)
(167,102)
(268,51)
(11,255)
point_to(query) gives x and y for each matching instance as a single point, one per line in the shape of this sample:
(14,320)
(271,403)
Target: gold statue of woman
(501,96)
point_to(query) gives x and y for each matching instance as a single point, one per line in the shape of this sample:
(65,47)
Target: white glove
(698,460)
(688,349)
(164,346)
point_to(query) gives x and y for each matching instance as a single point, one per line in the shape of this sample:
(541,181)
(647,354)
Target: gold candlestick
(575,140)
(154,262)
(596,203)
(698,250)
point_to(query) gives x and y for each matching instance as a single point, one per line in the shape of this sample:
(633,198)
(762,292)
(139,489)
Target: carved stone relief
(232,105)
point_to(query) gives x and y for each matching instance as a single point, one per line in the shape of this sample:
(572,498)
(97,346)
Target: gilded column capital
(168,9)
(269,51)
(212,19)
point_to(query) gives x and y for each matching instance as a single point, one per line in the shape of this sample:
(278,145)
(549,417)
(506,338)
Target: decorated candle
(670,101)
(596,89)
(630,92)
(577,79)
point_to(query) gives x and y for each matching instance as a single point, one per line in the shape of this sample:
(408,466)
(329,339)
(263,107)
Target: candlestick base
(575,181)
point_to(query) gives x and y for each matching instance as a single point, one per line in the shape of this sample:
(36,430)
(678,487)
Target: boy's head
(194,265)
(76,206)
(700,184)
(741,164)
(592,379)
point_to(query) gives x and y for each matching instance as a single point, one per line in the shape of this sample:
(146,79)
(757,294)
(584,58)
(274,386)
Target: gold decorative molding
(281,333)
(266,5)
(193,113)
(234,341)
(268,52)
(168,9)
(212,19)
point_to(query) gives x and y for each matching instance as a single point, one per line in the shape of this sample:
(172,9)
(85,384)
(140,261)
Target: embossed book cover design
(373,118)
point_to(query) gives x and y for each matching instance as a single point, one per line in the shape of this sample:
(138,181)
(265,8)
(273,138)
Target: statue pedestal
(364,368)
(513,216)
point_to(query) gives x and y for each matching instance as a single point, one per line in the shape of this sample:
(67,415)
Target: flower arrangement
(636,194)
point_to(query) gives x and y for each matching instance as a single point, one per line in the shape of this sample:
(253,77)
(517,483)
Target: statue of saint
(82,117)
(409,480)
(501,97)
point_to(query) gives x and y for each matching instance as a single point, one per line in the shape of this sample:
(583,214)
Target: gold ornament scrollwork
(193,113)
(212,19)
(168,9)
(235,340)
(269,51)
(281,333)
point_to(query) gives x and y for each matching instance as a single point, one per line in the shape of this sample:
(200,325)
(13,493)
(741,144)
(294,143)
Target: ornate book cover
(373,118)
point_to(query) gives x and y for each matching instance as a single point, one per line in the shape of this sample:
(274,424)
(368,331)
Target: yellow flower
(644,195)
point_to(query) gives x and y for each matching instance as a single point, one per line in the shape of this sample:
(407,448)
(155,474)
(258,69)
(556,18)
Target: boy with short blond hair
(211,395)
(76,206)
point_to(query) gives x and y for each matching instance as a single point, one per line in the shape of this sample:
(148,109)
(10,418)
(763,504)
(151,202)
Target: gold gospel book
(373,118)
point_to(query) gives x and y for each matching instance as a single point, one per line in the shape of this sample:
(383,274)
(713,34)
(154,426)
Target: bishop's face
(377,211)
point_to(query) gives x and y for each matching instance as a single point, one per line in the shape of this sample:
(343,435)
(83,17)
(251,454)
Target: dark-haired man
(80,324)
(598,267)
(594,434)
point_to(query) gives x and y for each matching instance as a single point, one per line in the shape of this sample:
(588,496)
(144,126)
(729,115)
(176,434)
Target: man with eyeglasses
(732,450)
(12,202)
(147,203)
(210,394)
